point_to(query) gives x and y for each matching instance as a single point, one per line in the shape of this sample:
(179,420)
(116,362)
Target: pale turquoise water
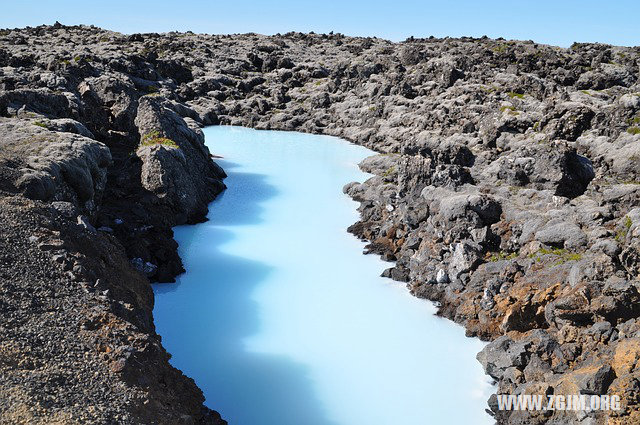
(281,320)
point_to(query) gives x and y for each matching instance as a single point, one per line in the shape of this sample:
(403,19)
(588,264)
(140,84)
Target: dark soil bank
(506,191)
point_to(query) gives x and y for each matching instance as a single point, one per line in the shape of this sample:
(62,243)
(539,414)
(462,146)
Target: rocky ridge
(91,181)
(505,189)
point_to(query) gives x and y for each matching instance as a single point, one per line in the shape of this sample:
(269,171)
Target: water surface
(281,320)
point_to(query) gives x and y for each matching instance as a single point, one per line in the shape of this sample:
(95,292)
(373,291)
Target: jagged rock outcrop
(176,166)
(54,165)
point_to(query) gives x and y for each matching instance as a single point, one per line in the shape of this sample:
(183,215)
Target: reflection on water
(281,320)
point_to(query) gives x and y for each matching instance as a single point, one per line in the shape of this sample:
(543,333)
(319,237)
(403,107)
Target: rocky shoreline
(505,190)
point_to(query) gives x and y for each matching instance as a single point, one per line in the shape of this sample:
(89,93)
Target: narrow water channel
(281,320)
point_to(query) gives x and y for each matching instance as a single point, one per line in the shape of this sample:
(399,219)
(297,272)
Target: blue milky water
(281,320)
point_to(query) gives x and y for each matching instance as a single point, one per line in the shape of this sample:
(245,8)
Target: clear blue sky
(558,22)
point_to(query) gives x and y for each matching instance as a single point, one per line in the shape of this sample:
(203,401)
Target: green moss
(574,256)
(500,48)
(510,110)
(391,170)
(372,108)
(502,255)
(40,124)
(512,95)
(634,125)
(154,138)
(561,255)
(554,251)
(152,89)
(490,89)
(621,235)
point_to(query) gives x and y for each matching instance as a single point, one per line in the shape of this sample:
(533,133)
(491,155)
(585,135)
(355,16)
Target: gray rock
(608,246)
(562,233)
(502,354)
(465,257)
(596,382)
(66,209)
(441,276)
(84,222)
(144,267)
